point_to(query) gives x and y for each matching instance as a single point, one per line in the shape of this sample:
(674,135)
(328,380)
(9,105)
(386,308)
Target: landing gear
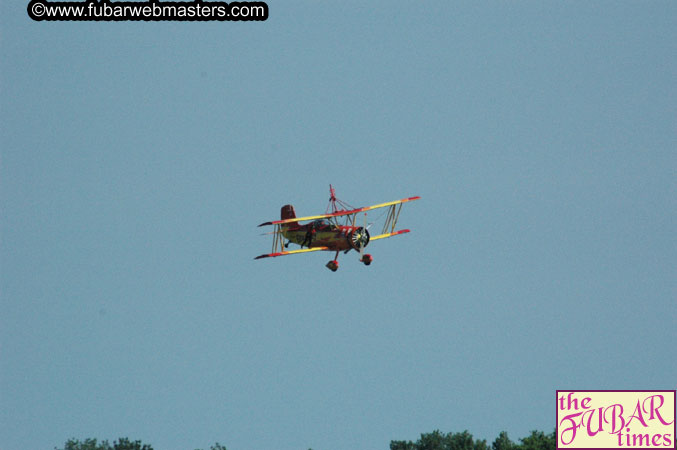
(333,265)
(366,259)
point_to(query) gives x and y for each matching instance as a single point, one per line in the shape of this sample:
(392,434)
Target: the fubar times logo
(615,419)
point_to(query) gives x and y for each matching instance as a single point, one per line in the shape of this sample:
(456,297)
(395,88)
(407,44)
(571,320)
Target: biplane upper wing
(291,252)
(341,213)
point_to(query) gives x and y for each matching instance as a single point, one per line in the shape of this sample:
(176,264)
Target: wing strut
(391,219)
(278,239)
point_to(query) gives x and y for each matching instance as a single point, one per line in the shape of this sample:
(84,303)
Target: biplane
(325,232)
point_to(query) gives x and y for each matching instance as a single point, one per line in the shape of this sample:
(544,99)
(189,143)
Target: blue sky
(138,158)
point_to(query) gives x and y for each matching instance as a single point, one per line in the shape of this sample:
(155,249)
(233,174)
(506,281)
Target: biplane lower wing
(387,235)
(292,252)
(340,213)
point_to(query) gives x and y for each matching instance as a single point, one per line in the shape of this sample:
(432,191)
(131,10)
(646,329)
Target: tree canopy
(464,441)
(93,444)
(120,444)
(436,440)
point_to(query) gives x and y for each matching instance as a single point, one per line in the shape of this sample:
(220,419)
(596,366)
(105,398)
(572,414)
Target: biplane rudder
(287,212)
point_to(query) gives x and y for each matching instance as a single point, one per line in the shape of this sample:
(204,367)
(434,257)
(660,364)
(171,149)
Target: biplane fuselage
(334,237)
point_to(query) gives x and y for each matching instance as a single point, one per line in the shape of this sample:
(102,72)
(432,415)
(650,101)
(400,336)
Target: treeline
(120,444)
(436,440)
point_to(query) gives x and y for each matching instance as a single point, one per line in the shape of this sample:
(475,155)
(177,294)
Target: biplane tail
(288,212)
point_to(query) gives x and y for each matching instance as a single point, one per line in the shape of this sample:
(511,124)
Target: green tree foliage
(87,444)
(464,441)
(538,440)
(93,444)
(402,445)
(217,446)
(503,442)
(440,441)
(436,440)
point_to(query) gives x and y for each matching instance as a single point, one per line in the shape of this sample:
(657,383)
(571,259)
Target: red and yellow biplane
(325,232)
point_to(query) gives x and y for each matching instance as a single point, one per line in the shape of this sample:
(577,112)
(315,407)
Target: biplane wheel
(332,265)
(367,259)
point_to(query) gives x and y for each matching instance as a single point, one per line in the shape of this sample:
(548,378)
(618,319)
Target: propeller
(364,231)
(364,240)
(359,238)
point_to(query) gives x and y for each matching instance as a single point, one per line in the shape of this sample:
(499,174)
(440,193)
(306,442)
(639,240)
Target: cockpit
(321,224)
